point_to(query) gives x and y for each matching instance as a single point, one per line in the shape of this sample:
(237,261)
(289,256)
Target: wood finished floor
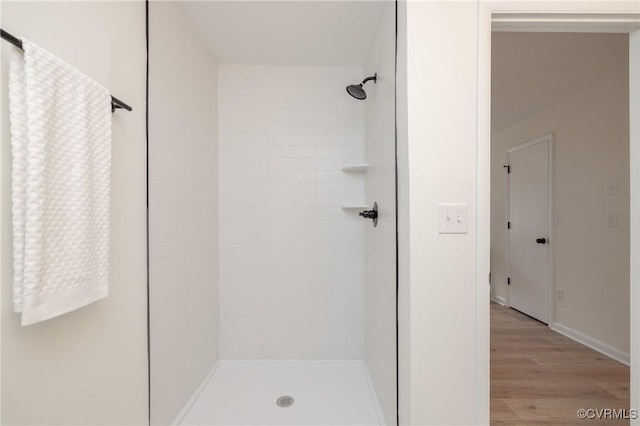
(540,377)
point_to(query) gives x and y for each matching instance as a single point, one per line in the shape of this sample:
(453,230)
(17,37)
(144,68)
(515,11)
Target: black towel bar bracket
(115,102)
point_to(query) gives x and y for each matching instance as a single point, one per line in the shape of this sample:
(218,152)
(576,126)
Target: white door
(528,227)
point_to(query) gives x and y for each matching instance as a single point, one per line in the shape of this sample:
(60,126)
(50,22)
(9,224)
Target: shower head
(357,90)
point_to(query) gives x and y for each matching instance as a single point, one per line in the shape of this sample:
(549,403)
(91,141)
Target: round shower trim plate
(284,401)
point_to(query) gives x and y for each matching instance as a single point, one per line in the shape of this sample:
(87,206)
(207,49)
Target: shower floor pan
(321,393)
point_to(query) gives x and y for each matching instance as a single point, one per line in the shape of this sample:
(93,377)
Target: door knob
(541,240)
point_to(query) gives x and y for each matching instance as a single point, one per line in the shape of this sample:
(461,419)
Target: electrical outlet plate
(452,218)
(560,294)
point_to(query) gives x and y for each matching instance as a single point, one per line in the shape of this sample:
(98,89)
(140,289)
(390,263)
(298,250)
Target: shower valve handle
(369,214)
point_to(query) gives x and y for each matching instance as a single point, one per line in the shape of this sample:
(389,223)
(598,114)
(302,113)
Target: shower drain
(284,401)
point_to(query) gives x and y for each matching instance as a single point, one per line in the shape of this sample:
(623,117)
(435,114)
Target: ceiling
(286,32)
(533,71)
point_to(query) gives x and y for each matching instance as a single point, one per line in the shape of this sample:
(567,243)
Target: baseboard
(374,395)
(185,410)
(499,300)
(592,343)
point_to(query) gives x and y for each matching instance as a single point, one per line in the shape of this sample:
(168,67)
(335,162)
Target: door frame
(575,16)
(550,271)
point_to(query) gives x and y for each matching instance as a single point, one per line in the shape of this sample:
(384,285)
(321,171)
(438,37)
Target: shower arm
(373,77)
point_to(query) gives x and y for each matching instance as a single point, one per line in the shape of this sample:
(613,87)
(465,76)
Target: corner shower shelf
(356,168)
(355,206)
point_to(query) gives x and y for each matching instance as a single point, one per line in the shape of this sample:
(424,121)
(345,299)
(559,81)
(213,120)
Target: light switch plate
(557,218)
(452,218)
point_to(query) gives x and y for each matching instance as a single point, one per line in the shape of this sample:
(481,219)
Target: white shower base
(325,393)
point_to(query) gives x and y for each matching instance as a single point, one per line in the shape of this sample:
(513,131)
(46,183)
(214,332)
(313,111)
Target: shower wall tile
(281,137)
(330,201)
(242,151)
(341,152)
(183,212)
(291,259)
(288,151)
(345,189)
(292,176)
(338,176)
(380,251)
(291,163)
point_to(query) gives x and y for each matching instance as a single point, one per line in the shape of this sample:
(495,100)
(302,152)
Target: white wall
(380,242)
(591,150)
(88,366)
(291,260)
(438,271)
(183,210)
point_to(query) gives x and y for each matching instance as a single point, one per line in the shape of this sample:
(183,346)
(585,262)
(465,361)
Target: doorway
(546,83)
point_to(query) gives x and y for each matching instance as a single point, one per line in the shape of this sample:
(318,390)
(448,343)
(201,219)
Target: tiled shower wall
(183,211)
(291,259)
(380,252)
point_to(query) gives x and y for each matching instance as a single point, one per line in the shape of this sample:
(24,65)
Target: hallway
(541,377)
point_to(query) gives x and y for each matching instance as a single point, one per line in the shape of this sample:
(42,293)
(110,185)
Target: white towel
(61,146)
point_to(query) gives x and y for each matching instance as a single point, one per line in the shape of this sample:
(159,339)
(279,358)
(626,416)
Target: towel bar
(115,102)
